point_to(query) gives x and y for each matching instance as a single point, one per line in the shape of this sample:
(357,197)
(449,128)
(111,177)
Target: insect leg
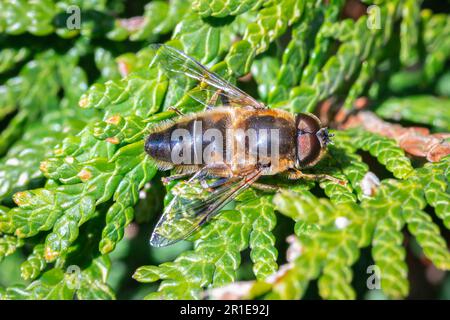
(178,112)
(217,183)
(199,175)
(166,180)
(265,187)
(297,174)
(212,102)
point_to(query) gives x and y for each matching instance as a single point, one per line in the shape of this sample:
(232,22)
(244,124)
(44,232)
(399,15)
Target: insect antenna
(324,137)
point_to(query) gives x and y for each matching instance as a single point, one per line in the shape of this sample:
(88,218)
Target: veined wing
(192,206)
(180,66)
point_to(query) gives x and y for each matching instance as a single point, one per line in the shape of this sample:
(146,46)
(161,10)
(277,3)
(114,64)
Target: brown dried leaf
(416,141)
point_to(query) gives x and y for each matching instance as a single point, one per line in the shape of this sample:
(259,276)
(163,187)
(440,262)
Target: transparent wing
(211,89)
(192,205)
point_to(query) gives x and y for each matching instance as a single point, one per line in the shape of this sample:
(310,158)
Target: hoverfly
(299,139)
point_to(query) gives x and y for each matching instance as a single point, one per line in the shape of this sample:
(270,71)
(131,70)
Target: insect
(244,139)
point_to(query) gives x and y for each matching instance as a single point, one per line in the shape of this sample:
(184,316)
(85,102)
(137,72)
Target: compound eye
(308,149)
(308,123)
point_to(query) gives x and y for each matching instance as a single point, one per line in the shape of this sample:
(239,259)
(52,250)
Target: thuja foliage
(76,104)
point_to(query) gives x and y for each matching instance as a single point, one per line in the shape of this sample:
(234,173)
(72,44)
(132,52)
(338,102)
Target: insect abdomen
(182,142)
(157,145)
